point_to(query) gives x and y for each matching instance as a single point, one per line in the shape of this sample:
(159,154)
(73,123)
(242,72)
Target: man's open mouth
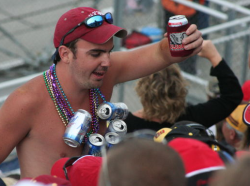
(98,73)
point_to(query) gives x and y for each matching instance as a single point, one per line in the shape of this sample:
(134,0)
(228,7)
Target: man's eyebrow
(100,50)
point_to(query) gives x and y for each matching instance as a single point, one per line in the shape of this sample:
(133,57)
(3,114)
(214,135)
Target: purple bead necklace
(63,107)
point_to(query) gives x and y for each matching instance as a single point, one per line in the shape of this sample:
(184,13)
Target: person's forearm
(216,59)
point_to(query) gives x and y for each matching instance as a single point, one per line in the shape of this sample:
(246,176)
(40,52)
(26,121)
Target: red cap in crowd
(57,168)
(199,160)
(246,90)
(83,171)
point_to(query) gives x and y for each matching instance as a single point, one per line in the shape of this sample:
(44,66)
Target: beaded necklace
(63,107)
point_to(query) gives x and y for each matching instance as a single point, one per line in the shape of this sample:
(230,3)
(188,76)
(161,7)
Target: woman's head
(163,94)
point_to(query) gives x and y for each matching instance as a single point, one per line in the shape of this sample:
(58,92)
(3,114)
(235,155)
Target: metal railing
(212,29)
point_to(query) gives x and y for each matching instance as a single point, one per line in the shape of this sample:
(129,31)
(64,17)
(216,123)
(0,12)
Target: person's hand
(194,39)
(210,52)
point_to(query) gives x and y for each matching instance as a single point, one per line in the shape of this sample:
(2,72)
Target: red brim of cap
(104,33)
(246,114)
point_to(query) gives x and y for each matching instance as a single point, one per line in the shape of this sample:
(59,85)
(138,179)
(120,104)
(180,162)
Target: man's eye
(96,54)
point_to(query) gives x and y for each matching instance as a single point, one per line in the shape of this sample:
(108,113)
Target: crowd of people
(168,141)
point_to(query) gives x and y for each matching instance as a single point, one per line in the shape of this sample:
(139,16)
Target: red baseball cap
(199,159)
(83,171)
(246,114)
(57,168)
(98,35)
(246,90)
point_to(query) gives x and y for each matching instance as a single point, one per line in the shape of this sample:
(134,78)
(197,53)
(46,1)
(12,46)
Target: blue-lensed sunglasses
(90,22)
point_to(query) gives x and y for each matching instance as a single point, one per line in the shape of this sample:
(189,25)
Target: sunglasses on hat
(69,163)
(90,22)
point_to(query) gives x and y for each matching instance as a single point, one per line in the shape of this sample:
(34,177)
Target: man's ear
(64,53)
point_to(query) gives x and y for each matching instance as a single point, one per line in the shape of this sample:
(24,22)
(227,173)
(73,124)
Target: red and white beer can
(177,26)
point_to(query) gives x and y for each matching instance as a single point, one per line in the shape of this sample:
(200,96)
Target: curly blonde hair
(163,94)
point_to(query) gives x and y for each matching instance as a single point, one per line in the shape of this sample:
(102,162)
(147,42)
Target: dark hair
(71,45)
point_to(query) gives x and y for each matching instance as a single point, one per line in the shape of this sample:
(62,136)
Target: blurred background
(27,27)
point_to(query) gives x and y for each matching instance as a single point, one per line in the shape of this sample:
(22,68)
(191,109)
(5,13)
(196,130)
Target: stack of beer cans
(114,114)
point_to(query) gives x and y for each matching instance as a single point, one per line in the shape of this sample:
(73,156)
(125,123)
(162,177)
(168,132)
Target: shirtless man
(33,123)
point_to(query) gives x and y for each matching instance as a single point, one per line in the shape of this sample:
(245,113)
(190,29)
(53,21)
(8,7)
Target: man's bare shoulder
(28,96)
(19,112)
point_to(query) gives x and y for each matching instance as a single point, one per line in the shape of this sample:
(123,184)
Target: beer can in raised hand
(77,128)
(177,26)
(108,111)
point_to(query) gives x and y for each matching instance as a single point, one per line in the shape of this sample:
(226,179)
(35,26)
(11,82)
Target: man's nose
(106,60)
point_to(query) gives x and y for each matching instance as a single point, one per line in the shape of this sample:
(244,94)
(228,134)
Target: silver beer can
(112,139)
(108,111)
(118,126)
(96,141)
(177,21)
(77,128)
